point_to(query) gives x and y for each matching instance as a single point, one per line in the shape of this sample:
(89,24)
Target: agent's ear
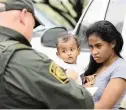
(113,44)
(23,16)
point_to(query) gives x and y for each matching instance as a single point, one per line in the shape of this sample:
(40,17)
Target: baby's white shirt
(74,67)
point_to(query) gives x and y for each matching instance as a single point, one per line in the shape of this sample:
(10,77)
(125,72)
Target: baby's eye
(71,49)
(64,51)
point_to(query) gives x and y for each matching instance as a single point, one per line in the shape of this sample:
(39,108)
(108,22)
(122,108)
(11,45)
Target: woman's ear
(113,43)
(23,16)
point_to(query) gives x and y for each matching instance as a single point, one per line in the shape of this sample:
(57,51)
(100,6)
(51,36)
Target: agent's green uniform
(28,80)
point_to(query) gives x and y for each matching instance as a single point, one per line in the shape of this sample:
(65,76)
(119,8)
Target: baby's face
(68,51)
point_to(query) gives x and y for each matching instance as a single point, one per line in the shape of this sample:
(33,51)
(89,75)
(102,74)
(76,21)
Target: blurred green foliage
(62,12)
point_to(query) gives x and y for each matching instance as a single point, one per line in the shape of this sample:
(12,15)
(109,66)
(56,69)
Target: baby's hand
(73,75)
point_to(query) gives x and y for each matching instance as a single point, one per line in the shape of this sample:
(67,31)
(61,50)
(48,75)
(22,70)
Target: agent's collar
(14,35)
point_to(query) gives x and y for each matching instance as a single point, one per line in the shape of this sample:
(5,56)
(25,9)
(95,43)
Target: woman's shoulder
(121,60)
(120,69)
(121,63)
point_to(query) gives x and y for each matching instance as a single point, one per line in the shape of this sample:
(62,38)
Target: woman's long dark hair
(107,32)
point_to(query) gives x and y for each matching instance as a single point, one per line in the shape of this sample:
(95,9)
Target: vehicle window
(93,14)
(116,13)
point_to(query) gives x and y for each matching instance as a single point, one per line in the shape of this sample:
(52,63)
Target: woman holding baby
(107,68)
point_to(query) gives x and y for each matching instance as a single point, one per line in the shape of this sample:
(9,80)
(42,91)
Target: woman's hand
(89,84)
(90,78)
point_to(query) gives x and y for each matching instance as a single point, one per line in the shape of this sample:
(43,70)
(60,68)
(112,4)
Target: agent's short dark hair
(108,33)
(67,37)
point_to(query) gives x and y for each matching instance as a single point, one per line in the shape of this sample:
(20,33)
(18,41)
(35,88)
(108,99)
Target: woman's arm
(111,94)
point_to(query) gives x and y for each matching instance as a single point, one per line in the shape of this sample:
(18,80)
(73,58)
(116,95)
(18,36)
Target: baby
(68,49)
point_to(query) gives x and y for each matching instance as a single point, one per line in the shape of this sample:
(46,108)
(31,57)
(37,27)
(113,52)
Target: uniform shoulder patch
(58,73)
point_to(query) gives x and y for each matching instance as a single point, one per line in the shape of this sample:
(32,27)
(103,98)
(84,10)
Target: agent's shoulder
(41,55)
(30,54)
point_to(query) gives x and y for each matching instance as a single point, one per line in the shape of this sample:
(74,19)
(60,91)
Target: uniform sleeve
(120,72)
(62,94)
(44,81)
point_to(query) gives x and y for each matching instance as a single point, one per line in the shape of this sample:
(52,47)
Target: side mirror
(50,36)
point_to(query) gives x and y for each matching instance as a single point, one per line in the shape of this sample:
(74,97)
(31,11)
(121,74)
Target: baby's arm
(72,75)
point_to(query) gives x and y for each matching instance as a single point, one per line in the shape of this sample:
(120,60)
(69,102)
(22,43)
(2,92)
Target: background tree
(69,10)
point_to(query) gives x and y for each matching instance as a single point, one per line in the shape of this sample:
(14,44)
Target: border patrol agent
(29,79)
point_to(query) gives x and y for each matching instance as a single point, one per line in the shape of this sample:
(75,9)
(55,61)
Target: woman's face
(101,50)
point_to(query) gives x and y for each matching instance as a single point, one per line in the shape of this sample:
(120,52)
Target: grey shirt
(116,70)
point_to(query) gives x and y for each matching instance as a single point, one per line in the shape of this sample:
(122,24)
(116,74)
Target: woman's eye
(98,46)
(90,47)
